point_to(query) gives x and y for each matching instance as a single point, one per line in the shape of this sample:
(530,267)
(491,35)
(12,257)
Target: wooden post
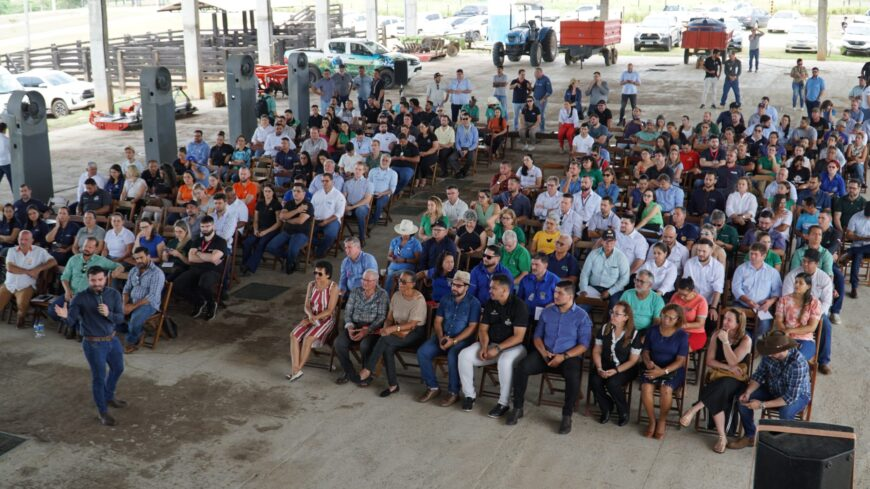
(86,54)
(245,22)
(55,57)
(155,57)
(26,59)
(119,60)
(225,22)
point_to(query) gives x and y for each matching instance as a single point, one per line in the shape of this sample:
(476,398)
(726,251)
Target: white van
(8,83)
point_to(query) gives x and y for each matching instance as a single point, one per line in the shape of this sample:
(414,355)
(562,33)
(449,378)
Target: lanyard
(204,246)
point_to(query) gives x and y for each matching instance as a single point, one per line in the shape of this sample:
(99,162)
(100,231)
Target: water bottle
(39,329)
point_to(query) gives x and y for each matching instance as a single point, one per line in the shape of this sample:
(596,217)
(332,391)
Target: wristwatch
(667,372)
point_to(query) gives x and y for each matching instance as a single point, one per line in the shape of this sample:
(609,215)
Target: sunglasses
(488,257)
(319,274)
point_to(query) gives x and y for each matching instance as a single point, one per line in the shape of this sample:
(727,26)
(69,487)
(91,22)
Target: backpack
(262,106)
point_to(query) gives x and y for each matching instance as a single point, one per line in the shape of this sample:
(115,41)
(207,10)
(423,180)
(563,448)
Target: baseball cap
(462,277)
(609,235)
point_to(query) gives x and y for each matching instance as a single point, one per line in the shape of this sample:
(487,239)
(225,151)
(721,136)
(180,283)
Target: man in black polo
(24,202)
(206,257)
(295,228)
(94,199)
(706,199)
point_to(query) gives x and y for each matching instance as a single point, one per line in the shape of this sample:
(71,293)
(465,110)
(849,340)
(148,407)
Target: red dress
(318,329)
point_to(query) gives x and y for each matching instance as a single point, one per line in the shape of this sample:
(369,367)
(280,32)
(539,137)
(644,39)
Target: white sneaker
(294,377)
(835,318)
(525,147)
(531,148)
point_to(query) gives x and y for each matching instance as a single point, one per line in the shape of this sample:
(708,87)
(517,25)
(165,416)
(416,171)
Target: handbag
(719,373)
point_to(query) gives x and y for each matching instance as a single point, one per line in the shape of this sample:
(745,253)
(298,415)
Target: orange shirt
(243,190)
(185,194)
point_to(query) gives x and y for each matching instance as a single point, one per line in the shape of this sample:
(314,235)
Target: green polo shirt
(771,259)
(645,311)
(728,235)
(517,261)
(76,271)
(826,259)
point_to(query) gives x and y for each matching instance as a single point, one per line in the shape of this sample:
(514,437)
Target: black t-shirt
(424,143)
(216,244)
(408,150)
(653,172)
(371,114)
(712,64)
(821,126)
(798,175)
(220,154)
(315,121)
(88,202)
(303,228)
(709,155)
(604,116)
(21,209)
(521,91)
(267,214)
(502,319)
(378,89)
(469,241)
(530,115)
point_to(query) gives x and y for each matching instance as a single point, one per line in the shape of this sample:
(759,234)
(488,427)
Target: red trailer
(704,35)
(579,40)
(273,76)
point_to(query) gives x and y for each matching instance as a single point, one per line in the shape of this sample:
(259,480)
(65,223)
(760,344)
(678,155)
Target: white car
(395,25)
(62,92)
(856,40)
(356,20)
(474,28)
(683,14)
(783,20)
(441,27)
(587,12)
(803,36)
(8,84)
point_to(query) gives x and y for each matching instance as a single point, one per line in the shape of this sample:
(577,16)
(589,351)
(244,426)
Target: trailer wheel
(453,49)
(498,54)
(614,55)
(686,57)
(551,47)
(568,59)
(607,57)
(535,54)
(313,75)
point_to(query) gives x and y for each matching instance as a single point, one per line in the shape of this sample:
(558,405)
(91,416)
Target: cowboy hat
(492,101)
(775,342)
(405,228)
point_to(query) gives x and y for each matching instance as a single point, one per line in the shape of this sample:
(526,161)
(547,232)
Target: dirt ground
(212,409)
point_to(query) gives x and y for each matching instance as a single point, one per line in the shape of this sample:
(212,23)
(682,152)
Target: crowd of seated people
(685,239)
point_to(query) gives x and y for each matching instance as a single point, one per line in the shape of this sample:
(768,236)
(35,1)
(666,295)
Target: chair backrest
(167,295)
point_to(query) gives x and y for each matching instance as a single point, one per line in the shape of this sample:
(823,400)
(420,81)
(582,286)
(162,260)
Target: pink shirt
(789,311)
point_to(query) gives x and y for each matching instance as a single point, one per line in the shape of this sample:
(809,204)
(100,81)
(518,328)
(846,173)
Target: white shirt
(531,179)
(329,204)
(546,203)
(240,209)
(860,225)
(116,244)
(741,204)
(387,140)
(823,287)
(865,98)
(709,278)
(36,258)
(632,245)
(125,164)
(455,212)
(272,144)
(135,188)
(5,150)
(261,133)
(101,183)
(664,277)
(347,163)
(436,93)
(225,225)
(570,223)
(581,144)
(569,116)
(678,256)
(587,207)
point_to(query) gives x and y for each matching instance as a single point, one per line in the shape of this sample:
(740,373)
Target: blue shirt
(628,88)
(562,331)
(670,198)
(83,310)
(689,232)
(432,249)
(327,89)
(363,147)
(815,85)
(363,86)
(564,268)
(199,151)
(611,191)
(457,316)
(537,293)
(440,284)
(466,137)
(823,199)
(383,180)
(758,285)
(459,98)
(352,271)
(354,190)
(543,87)
(480,279)
(789,378)
(408,251)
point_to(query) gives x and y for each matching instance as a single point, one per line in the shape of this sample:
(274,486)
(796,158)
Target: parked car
(856,40)
(357,20)
(472,28)
(62,92)
(472,10)
(395,26)
(862,19)
(782,21)
(440,27)
(586,13)
(736,28)
(8,84)
(658,31)
(683,14)
(354,53)
(752,17)
(803,36)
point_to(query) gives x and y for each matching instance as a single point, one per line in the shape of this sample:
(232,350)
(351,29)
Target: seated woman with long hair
(727,373)
(615,355)
(665,350)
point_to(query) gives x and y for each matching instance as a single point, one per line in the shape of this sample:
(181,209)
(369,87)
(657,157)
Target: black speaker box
(400,67)
(823,458)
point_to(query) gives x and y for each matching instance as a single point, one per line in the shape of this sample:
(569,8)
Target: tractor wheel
(614,55)
(453,49)
(551,47)
(313,75)
(686,56)
(535,54)
(498,54)
(388,77)
(607,57)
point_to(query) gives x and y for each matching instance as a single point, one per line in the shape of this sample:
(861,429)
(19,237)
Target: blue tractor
(539,43)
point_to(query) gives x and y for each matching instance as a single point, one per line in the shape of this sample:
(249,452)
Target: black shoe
(623,420)
(514,417)
(210,311)
(701,107)
(565,425)
(290,268)
(198,311)
(344,379)
(245,270)
(468,404)
(713,106)
(460,174)
(225,296)
(387,392)
(604,418)
(117,403)
(69,333)
(498,411)
(106,419)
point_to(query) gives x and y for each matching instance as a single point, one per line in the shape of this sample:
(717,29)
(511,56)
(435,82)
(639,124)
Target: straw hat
(462,277)
(405,228)
(492,101)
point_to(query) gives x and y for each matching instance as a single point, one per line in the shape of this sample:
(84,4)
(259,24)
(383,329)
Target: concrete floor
(212,408)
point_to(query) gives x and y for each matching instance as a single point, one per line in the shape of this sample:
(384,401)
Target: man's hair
(705,242)
(353,240)
(220,196)
(141,249)
(96,270)
(543,257)
(759,248)
(501,279)
(495,249)
(567,286)
(88,181)
(207,220)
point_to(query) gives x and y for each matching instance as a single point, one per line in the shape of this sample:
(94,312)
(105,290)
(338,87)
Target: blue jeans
(361,213)
(294,243)
(98,355)
(840,287)
(812,104)
(323,242)
(753,55)
(857,254)
(730,85)
(518,108)
(502,100)
(427,353)
(405,176)
(797,93)
(787,412)
(542,104)
(253,248)
(825,341)
(137,321)
(362,103)
(6,170)
(807,348)
(859,172)
(380,203)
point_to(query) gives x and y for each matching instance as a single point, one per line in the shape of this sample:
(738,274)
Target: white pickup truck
(353,53)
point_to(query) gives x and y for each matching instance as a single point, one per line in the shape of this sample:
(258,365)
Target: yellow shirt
(545,242)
